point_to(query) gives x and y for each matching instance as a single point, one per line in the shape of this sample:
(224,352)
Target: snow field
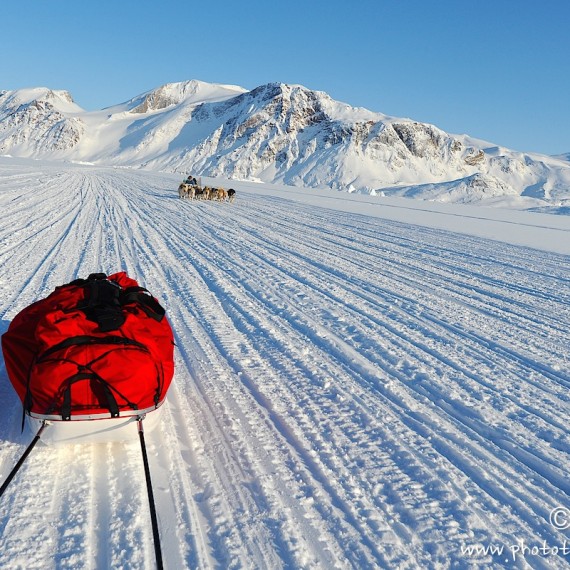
(351,391)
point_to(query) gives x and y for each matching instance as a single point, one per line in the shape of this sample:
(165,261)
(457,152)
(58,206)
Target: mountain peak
(192,91)
(60,100)
(276,90)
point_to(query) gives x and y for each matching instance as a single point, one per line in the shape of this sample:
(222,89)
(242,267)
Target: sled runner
(90,359)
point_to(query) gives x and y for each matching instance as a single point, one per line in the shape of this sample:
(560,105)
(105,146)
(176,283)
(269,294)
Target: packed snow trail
(350,392)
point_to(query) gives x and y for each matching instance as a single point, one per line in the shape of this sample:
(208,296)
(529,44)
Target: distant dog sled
(191,188)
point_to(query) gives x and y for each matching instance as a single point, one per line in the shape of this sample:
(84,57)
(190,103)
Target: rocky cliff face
(275,133)
(291,134)
(38,126)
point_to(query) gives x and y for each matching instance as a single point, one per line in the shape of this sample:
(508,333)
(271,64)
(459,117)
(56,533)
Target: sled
(104,430)
(91,359)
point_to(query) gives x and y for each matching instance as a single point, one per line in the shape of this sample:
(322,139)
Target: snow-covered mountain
(278,133)
(36,121)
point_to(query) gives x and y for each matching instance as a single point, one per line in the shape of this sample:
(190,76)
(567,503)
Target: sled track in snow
(349,392)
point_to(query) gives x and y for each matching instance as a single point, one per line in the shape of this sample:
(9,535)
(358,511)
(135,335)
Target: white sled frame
(96,428)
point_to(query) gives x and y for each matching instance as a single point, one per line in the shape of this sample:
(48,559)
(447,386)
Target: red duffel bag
(95,348)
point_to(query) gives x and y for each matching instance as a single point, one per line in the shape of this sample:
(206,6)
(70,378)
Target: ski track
(349,392)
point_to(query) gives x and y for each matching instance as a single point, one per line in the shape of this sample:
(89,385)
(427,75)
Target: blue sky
(495,69)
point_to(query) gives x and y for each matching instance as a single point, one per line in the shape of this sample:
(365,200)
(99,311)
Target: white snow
(361,382)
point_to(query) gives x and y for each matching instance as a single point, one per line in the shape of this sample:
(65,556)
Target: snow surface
(361,382)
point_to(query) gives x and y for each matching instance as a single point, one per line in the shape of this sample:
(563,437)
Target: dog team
(191,189)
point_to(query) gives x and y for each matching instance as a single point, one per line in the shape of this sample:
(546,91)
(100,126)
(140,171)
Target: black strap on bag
(145,301)
(66,405)
(102,302)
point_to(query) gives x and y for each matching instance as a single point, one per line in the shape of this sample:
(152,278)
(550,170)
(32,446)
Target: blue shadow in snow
(10,420)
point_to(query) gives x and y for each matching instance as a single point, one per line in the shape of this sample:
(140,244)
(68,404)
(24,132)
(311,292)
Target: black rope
(22,459)
(153,517)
